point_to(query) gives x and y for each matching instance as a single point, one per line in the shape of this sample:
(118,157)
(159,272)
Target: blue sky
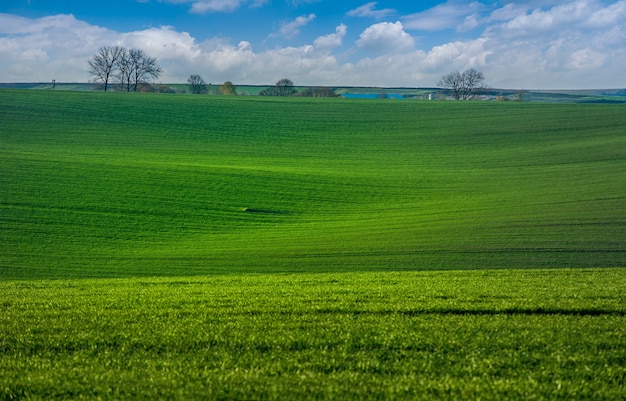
(527,44)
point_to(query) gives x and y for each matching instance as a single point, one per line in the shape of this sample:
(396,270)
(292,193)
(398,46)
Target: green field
(523,334)
(177,247)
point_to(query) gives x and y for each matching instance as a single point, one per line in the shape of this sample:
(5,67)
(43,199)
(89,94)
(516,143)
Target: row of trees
(466,85)
(283,87)
(128,67)
(132,67)
(197,86)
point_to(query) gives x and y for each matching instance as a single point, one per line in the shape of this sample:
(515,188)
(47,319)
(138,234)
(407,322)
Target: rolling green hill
(222,248)
(115,184)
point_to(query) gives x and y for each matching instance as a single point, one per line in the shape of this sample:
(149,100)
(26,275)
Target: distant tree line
(130,68)
(318,91)
(198,86)
(284,87)
(466,85)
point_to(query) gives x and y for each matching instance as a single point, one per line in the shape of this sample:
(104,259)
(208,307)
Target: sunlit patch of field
(545,334)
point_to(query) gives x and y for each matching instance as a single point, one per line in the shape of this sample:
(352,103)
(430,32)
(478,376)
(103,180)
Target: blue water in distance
(372,96)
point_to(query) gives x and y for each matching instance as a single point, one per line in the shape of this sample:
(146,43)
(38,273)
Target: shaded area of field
(113,184)
(544,334)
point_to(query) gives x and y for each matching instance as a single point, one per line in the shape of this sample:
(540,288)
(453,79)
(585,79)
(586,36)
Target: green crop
(197,247)
(538,334)
(101,185)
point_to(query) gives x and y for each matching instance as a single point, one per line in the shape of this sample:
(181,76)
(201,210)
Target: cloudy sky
(526,44)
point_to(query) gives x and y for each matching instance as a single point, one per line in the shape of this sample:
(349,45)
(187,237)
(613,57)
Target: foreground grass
(103,185)
(536,334)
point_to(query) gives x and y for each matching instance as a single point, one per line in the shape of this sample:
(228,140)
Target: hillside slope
(114,184)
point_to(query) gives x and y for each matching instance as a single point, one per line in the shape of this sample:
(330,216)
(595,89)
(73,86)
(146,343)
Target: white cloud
(162,43)
(572,44)
(507,12)
(330,41)
(539,20)
(611,15)
(204,6)
(385,37)
(300,2)
(568,44)
(453,14)
(458,55)
(291,29)
(585,59)
(44,48)
(211,6)
(573,16)
(368,10)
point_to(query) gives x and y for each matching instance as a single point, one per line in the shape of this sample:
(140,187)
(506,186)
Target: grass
(116,185)
(197,247)
(535,334)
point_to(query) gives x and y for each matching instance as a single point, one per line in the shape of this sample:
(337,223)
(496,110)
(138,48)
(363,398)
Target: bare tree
(134,67)
(131,67)
(196,84)
(104,63)
(464,85)
(143,68)
(124,71)
(284,87)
